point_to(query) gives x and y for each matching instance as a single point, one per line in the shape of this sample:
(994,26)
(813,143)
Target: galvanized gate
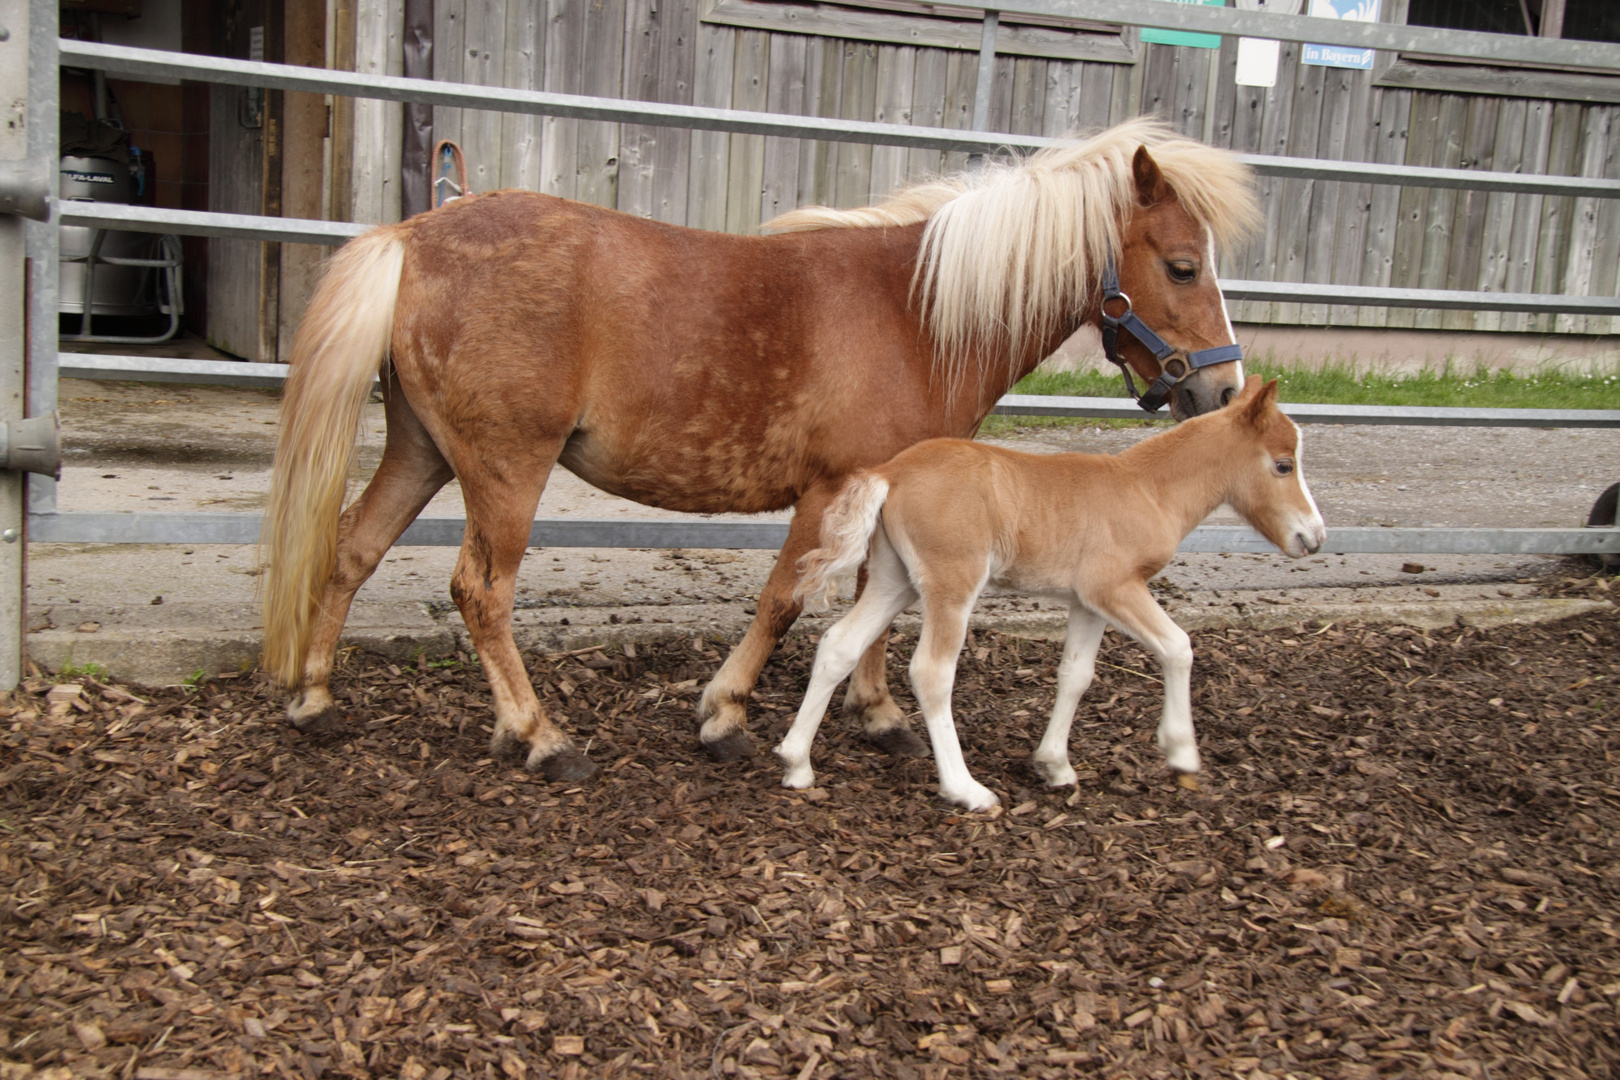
(30,59)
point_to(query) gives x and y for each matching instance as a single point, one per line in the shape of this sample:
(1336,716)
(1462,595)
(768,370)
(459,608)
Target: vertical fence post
(987,71)
(14,124)
(44,238)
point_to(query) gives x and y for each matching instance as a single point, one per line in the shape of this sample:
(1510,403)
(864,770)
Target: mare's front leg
(722,707)
(1133,609)
(1051,758)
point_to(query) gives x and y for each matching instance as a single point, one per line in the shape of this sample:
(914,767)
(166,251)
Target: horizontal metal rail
(123,60)
(307,231)
(770,535)
(272,376)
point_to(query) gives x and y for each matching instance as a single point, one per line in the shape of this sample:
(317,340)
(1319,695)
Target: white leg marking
(1080,646)
(933,675)
(1134,611)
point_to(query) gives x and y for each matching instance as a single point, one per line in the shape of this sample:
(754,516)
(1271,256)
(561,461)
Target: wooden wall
(660,50)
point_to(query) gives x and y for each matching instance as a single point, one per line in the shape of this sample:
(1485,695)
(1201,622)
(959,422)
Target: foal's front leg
(1051,758)
(1133,609)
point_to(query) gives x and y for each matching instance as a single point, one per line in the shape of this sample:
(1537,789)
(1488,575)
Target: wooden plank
(820,55)
(1579,267)
(1295,200)
(745,163)
(1062,98)
(304,127)
(1606,251)
(1552,254)
(1092,108)
(596,148)
(449,34)
(1507,155)
(706,184)
(1464,261)
(961,73)
(1126,101)
(660,57)
(1393,110)
(1439,205)
(857,101)
(1350,245)
(1322,225)
(1422,133)
(1274,128)
(338,203)
(1245,137)
(481,64)
(1001,95)
(1525,237)
(1028,97)
(896,81)
(523,59)
(377,134)
(784,93)
(1222,107)
(677,76)
(928,109)
(561,73)
(1159,82)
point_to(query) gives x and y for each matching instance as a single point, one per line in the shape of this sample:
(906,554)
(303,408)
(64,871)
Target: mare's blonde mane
(1009,246)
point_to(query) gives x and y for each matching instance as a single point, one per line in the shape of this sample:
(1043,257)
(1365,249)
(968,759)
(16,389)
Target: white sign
(1257,62)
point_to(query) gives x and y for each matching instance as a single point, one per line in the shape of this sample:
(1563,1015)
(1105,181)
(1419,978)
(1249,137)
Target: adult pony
(706,373)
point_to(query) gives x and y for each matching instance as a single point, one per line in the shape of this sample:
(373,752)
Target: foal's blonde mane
(1010,246)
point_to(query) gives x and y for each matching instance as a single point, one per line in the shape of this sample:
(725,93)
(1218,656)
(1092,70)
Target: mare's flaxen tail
(846,534)
(341,344)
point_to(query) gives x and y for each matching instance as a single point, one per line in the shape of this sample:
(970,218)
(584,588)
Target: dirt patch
(1403,862)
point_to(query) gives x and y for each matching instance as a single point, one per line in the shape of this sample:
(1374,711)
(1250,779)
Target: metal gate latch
(32,445)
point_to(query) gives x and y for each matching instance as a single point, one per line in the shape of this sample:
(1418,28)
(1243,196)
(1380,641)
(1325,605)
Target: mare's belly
(705,476)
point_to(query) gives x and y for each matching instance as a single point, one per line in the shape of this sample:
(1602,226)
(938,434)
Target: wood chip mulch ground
(1404,861)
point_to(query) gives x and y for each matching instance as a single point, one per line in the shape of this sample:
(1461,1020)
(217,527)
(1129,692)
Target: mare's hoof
(1187,780)
(899,742)
(732,747)
(567,766)
(506,744)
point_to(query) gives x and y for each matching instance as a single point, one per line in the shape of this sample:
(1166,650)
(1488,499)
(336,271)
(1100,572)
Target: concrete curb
(166,657)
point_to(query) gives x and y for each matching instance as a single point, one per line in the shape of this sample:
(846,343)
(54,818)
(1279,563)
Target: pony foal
(947,517)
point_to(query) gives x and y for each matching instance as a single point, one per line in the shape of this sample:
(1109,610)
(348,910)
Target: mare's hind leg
(500,511)
(868,697)
(411,471)
(721,708)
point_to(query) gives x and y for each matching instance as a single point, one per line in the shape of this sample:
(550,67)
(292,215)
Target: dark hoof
(566,766)
(506,744)
(733,747)
(899,742)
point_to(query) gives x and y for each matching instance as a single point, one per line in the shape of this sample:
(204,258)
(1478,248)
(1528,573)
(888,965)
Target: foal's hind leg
(868,697)
(500,511)
(411,471)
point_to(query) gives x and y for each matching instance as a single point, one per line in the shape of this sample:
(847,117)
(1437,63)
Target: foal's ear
(1262,402)
(1151,187)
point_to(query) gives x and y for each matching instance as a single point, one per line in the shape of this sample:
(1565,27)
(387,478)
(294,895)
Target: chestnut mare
(705,373)
(946,518)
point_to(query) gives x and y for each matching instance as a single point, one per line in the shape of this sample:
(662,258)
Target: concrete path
(156,614)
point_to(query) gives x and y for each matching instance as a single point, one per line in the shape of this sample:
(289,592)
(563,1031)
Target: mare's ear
(1255,407)
(1151,187)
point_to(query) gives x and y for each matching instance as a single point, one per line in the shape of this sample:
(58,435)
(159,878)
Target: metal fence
(24,188)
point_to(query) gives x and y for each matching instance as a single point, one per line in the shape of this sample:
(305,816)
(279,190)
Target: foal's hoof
(567,766)
(899,742)
(734,746)
(329,721)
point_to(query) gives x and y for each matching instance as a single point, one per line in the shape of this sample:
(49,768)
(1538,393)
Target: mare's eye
(1283,467)
(1183,272)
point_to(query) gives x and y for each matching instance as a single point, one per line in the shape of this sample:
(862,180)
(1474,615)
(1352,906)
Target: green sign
(1185,37)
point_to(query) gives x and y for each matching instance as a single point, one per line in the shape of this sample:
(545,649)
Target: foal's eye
(1183,272)
(1283,467)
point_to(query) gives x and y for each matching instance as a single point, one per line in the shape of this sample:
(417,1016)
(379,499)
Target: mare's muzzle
(1174,364)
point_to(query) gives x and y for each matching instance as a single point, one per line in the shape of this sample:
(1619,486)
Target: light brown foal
(946,518)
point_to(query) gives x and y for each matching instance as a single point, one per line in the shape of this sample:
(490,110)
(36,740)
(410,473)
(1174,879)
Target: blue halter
(1159,392)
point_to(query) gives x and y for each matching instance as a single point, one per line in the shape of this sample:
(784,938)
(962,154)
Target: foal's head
(1268,488)
(1167,269)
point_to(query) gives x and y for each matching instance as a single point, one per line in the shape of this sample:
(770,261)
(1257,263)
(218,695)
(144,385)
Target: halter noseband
(1129,322)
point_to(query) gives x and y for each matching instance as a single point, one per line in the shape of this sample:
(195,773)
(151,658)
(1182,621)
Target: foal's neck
(1190,468)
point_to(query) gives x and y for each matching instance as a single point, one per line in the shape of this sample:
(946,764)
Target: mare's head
(1268,488)
(1167,275)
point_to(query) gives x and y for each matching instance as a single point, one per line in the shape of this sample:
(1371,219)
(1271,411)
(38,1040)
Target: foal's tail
(341,344)
(846,535)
